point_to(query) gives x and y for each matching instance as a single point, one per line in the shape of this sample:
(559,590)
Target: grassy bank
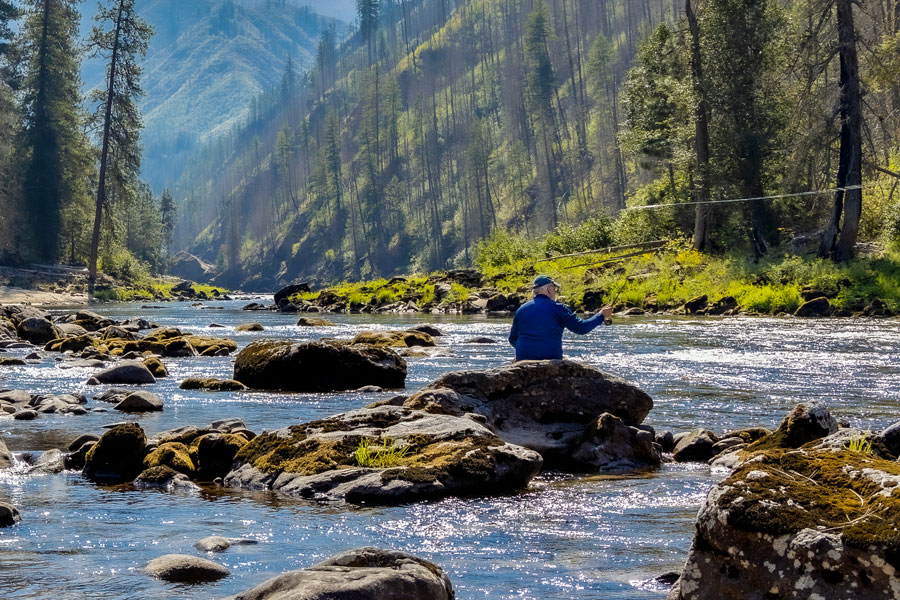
(155,289)
(665,278)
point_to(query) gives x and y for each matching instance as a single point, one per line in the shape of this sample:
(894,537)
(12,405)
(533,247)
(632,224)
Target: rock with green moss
(798,523)
(317,366)
(118,456)
(250,327)
(156,366)
(363,574)
(805,423)
(548,406)
(314,322)
(164,478)
(394,339)
(212,385)
(386,455)
(174,455)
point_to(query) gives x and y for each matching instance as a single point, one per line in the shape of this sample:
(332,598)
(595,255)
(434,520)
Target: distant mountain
(207,61)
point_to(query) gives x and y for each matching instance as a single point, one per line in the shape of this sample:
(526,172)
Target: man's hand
(607,313)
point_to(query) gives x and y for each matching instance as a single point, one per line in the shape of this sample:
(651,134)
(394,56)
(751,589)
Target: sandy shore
(11,295)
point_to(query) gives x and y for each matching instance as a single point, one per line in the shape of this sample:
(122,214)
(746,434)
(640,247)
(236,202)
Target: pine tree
(53,121)
(8,12)
(368,11)
(168,214)
(121,44)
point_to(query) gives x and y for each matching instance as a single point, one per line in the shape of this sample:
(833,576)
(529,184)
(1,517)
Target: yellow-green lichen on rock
(393,339)
(174,455)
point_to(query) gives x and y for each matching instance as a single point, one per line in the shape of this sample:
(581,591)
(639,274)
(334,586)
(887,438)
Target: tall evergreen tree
(8,12)
(53,121)
(168,214)
(368,11)
(122,42)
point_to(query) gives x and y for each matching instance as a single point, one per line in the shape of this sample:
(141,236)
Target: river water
(564,538)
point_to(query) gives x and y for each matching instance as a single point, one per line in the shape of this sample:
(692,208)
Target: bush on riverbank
(662,279)
(153,289)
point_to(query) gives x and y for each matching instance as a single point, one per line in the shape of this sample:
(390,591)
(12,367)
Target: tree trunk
(847,202)
(701,135)
(104,157)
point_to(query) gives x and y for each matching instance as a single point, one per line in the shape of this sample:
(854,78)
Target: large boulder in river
(9,515)
(803,424)
(547,405)
(118,456)
(289,290)
(385,454)
(317,366)
(38,330)
(126,372)
(798,523)
(360,574)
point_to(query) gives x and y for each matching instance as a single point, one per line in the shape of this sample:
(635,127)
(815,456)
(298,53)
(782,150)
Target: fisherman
(538,325)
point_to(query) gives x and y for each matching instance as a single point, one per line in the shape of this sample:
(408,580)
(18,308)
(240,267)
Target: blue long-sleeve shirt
(538,326)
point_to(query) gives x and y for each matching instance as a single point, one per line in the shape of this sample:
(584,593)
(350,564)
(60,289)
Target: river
(564,538)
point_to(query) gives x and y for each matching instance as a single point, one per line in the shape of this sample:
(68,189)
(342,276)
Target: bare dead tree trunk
(701,135)
(847,202)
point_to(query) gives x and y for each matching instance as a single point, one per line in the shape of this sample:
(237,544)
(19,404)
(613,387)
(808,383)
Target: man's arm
(514,332)
(579,326)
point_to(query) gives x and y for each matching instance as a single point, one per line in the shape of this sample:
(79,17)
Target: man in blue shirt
(538,326)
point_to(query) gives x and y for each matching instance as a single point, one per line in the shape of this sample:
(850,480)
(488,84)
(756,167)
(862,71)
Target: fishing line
(731,200)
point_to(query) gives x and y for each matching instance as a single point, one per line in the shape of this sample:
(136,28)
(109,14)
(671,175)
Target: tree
(122,43)
(847,203)
(701,133)
(540,87)
(53,121)
(168,214)
(368,11)
(8,12)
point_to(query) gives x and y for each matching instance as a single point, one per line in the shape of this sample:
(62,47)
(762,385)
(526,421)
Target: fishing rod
(612,303)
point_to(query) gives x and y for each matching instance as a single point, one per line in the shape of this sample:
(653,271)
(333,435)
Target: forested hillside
(207,60)
(439,122)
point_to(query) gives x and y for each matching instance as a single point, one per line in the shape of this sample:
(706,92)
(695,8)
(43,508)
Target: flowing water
(564,538)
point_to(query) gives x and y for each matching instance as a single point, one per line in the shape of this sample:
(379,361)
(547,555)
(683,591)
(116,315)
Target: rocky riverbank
(468,291)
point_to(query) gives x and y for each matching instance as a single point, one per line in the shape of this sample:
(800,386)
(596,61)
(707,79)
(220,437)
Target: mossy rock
(314,322)
(156,367)
(850,492)
(250,327)
(394,339)
(802,425)
(214,453)
(203,343)
(75,344)
(748,435)
(174,455)
(118,456)
(212,385)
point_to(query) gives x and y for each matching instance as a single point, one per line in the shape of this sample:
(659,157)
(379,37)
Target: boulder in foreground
(798,524)
(548,406)
(318,366)
(126,372)
(412,455)
(361,574)
(118,456)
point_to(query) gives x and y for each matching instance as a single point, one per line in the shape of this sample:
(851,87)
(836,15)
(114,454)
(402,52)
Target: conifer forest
(406,140)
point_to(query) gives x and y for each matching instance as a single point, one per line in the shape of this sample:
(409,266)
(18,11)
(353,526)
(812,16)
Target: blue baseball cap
(542,280)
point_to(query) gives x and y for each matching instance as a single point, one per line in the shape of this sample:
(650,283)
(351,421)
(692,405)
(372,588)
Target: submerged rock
(385,454)
(360,574)
(182,568)
(318,366)
(547,406)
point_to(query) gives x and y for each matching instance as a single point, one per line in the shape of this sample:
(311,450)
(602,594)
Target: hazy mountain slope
(208,59)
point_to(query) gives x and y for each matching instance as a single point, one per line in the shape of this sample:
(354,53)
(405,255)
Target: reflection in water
(564,538)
